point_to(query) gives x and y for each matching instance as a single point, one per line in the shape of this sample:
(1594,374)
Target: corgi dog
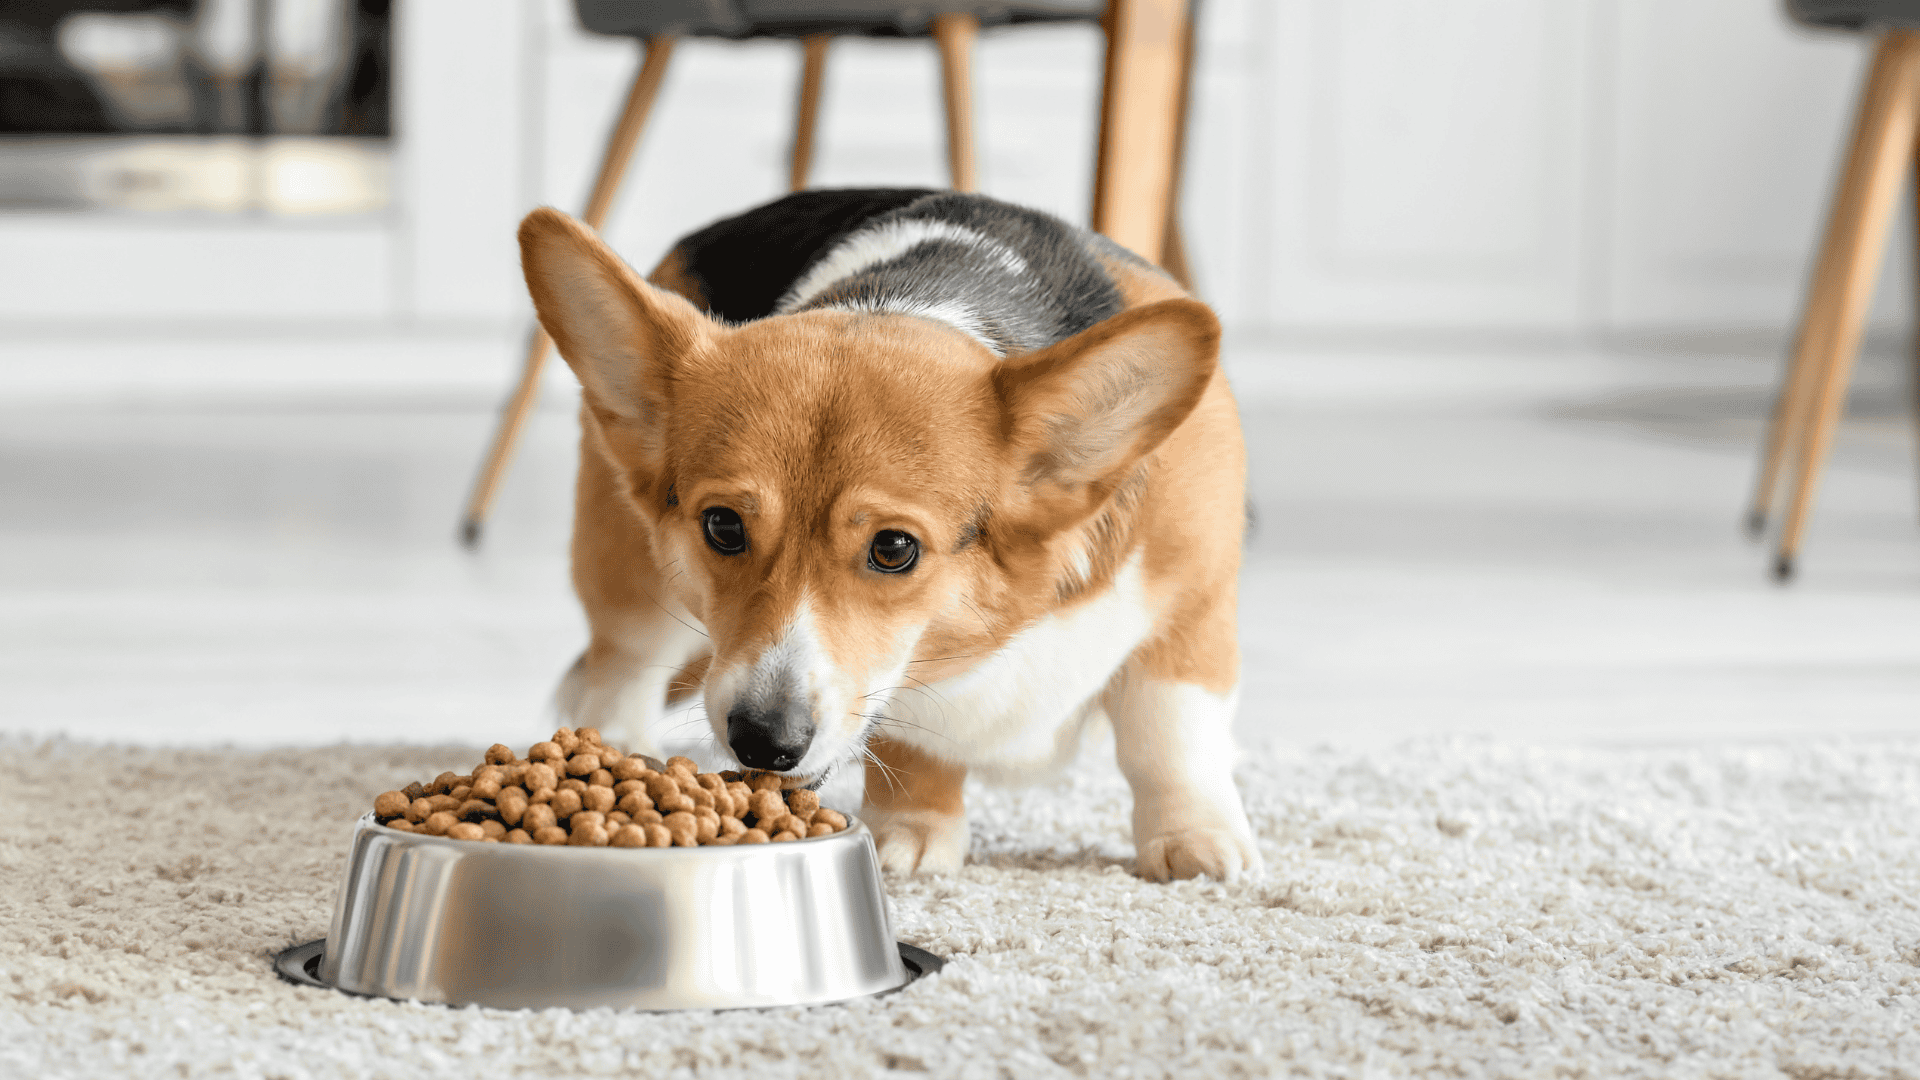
(913,481)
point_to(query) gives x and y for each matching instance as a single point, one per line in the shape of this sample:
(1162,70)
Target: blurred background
(1507,284)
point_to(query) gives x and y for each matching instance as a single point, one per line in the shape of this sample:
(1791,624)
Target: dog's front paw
(918,841)
(1220,852)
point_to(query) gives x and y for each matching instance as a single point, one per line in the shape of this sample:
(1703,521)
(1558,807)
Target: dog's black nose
(771,739)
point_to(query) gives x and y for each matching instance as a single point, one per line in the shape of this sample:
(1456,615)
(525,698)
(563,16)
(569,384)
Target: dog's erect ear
(1083,412)
(621,336)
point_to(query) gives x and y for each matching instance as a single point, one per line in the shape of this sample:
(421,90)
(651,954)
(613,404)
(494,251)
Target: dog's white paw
(918,841)
(1220,852)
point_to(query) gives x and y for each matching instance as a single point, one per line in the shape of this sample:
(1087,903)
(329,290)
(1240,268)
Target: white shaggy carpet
(1454,909)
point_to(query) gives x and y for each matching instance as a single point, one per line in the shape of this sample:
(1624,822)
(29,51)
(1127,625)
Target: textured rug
(1457,909)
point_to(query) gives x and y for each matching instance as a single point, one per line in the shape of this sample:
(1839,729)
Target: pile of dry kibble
(573,789)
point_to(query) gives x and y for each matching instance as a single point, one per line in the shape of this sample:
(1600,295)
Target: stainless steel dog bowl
(523,926)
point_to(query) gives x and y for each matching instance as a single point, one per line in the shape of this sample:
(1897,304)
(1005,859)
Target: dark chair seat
(1855,14)
(740,19)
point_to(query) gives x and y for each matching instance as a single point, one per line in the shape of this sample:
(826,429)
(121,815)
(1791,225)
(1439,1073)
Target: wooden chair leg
(1173,247)
(955,33)
(613,168)
(813,68)
(1913,345)
(1786,427)
(1877,161)
(1133,182)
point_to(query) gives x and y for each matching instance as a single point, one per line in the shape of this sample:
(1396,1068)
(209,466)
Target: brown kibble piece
(710,781)
(732,826)
(488,786)
(820,828)
(516,773)
(803,802)
(589,836)
(629,836)
(391,804)
(443,802)
(418,812)
(589,735)
(550,834)
(500,754)
(618,817)
(540,777)
(701,797)
(573,784)
(628,768)
(445,782)
(765,781)
(706,825)
(678,802)
(415,790)
(786,823)
(649,817)
(742,797)
(724,840)
(545,752)
(684,828)
(626,787)
(461,793)
(585,818)
(660,785)
(784,836)
(439,822)
(539,817)
(598,798)
(402,824)
(832,817)
(657,835)
(767,805)
(634,802)
(566,803)
(682,764)
(512,803)
(752,836)
(544,795)
(465,830)
(582,764)
(493,829)
(610,757)
(472,809)
(518,836)
(600,778)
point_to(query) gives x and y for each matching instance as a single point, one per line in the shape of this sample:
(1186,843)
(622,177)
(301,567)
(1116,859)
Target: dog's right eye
(726,533)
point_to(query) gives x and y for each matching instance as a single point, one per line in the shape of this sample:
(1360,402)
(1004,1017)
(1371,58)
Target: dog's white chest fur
(1021,712)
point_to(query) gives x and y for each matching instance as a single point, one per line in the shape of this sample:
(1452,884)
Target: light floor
(1536,544)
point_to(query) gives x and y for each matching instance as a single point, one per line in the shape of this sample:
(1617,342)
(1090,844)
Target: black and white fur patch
(1013,279)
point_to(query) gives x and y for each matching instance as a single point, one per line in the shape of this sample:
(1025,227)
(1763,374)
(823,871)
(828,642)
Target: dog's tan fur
(1039,486)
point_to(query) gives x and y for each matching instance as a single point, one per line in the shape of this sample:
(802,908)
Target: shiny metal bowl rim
(854,827)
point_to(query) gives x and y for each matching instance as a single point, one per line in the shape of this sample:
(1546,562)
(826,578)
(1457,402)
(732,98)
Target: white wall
(1568,166)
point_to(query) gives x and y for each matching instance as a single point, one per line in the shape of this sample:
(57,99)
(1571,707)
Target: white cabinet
(1568,166)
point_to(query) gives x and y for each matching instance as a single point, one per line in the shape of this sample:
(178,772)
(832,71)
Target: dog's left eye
(893,552)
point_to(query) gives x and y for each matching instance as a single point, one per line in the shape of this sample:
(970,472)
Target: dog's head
(839,497)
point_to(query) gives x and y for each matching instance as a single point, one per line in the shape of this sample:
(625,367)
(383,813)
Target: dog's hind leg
(1174,740)
(915,808)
